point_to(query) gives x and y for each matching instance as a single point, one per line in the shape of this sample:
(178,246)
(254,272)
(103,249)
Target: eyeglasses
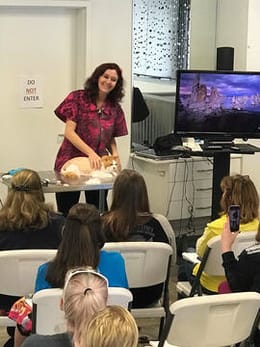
(75,272)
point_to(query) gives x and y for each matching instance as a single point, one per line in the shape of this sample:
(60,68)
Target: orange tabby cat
(80,166)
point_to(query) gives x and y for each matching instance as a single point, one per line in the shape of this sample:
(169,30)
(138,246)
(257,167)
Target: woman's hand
(227,238)
(73,137)
(95,160)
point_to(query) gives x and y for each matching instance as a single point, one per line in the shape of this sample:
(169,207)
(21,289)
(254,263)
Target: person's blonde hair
(85,293)
(24,207)
(112,327)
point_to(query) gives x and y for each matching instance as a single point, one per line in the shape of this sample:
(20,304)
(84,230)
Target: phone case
(234,217)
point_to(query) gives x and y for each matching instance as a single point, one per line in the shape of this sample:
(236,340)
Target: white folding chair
(48,318)
(147,264)
(18,269)
(211,262)
(167,227)
(120,296)
(210,321)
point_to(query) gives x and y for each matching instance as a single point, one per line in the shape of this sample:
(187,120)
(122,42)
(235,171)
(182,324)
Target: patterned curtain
(160,37)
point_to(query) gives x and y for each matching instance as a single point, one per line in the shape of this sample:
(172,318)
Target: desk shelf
(180,187)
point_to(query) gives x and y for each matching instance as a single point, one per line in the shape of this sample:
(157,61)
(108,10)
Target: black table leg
(221,167)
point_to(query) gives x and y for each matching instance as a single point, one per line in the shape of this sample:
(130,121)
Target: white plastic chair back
(18,269)
(213,265)
(166,225)
(120,296)
(48,318)
(147,264)
(213,320)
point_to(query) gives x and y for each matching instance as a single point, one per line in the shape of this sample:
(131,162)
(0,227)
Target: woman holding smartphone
(237,190)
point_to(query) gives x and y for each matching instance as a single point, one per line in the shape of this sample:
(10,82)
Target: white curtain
(160,37)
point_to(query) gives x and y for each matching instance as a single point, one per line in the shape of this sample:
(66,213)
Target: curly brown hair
(91,84)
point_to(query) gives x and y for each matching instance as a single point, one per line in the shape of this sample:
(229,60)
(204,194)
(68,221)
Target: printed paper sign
(30,92)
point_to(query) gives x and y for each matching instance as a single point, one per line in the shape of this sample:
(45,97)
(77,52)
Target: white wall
(202,34)
(253,46)
(231,29)
(238,26)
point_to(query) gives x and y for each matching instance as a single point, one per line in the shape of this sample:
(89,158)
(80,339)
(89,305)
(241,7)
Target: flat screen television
(217,105)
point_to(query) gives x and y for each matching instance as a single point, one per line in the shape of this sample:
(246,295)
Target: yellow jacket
(212,229)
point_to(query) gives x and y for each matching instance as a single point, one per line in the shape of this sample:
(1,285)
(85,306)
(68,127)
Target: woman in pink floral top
(93,118)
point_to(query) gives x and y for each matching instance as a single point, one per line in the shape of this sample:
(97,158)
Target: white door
(47,43)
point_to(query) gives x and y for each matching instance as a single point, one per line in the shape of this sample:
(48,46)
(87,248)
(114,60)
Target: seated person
(130,219)
(26,221)
(242,274)
(103,331)
(85,292)
(82,240)
(237,190)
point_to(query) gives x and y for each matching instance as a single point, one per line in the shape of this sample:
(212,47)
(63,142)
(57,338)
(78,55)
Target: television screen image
(217,104)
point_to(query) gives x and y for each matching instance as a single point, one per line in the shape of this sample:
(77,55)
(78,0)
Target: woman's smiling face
(107,81)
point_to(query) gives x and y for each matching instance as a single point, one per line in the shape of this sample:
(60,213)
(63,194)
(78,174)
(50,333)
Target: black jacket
(243,274)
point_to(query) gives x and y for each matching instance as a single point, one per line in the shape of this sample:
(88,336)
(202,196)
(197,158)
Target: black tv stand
(221,168)
(220,149)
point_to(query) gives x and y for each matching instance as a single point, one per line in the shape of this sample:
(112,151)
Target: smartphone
(234,217)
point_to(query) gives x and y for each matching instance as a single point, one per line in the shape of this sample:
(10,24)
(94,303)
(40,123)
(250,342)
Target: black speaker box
(225,58)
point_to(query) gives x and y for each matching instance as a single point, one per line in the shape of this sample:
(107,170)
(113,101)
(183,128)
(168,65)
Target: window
(160,37)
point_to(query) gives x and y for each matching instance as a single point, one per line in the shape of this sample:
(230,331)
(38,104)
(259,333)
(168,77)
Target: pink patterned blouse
(95,127)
